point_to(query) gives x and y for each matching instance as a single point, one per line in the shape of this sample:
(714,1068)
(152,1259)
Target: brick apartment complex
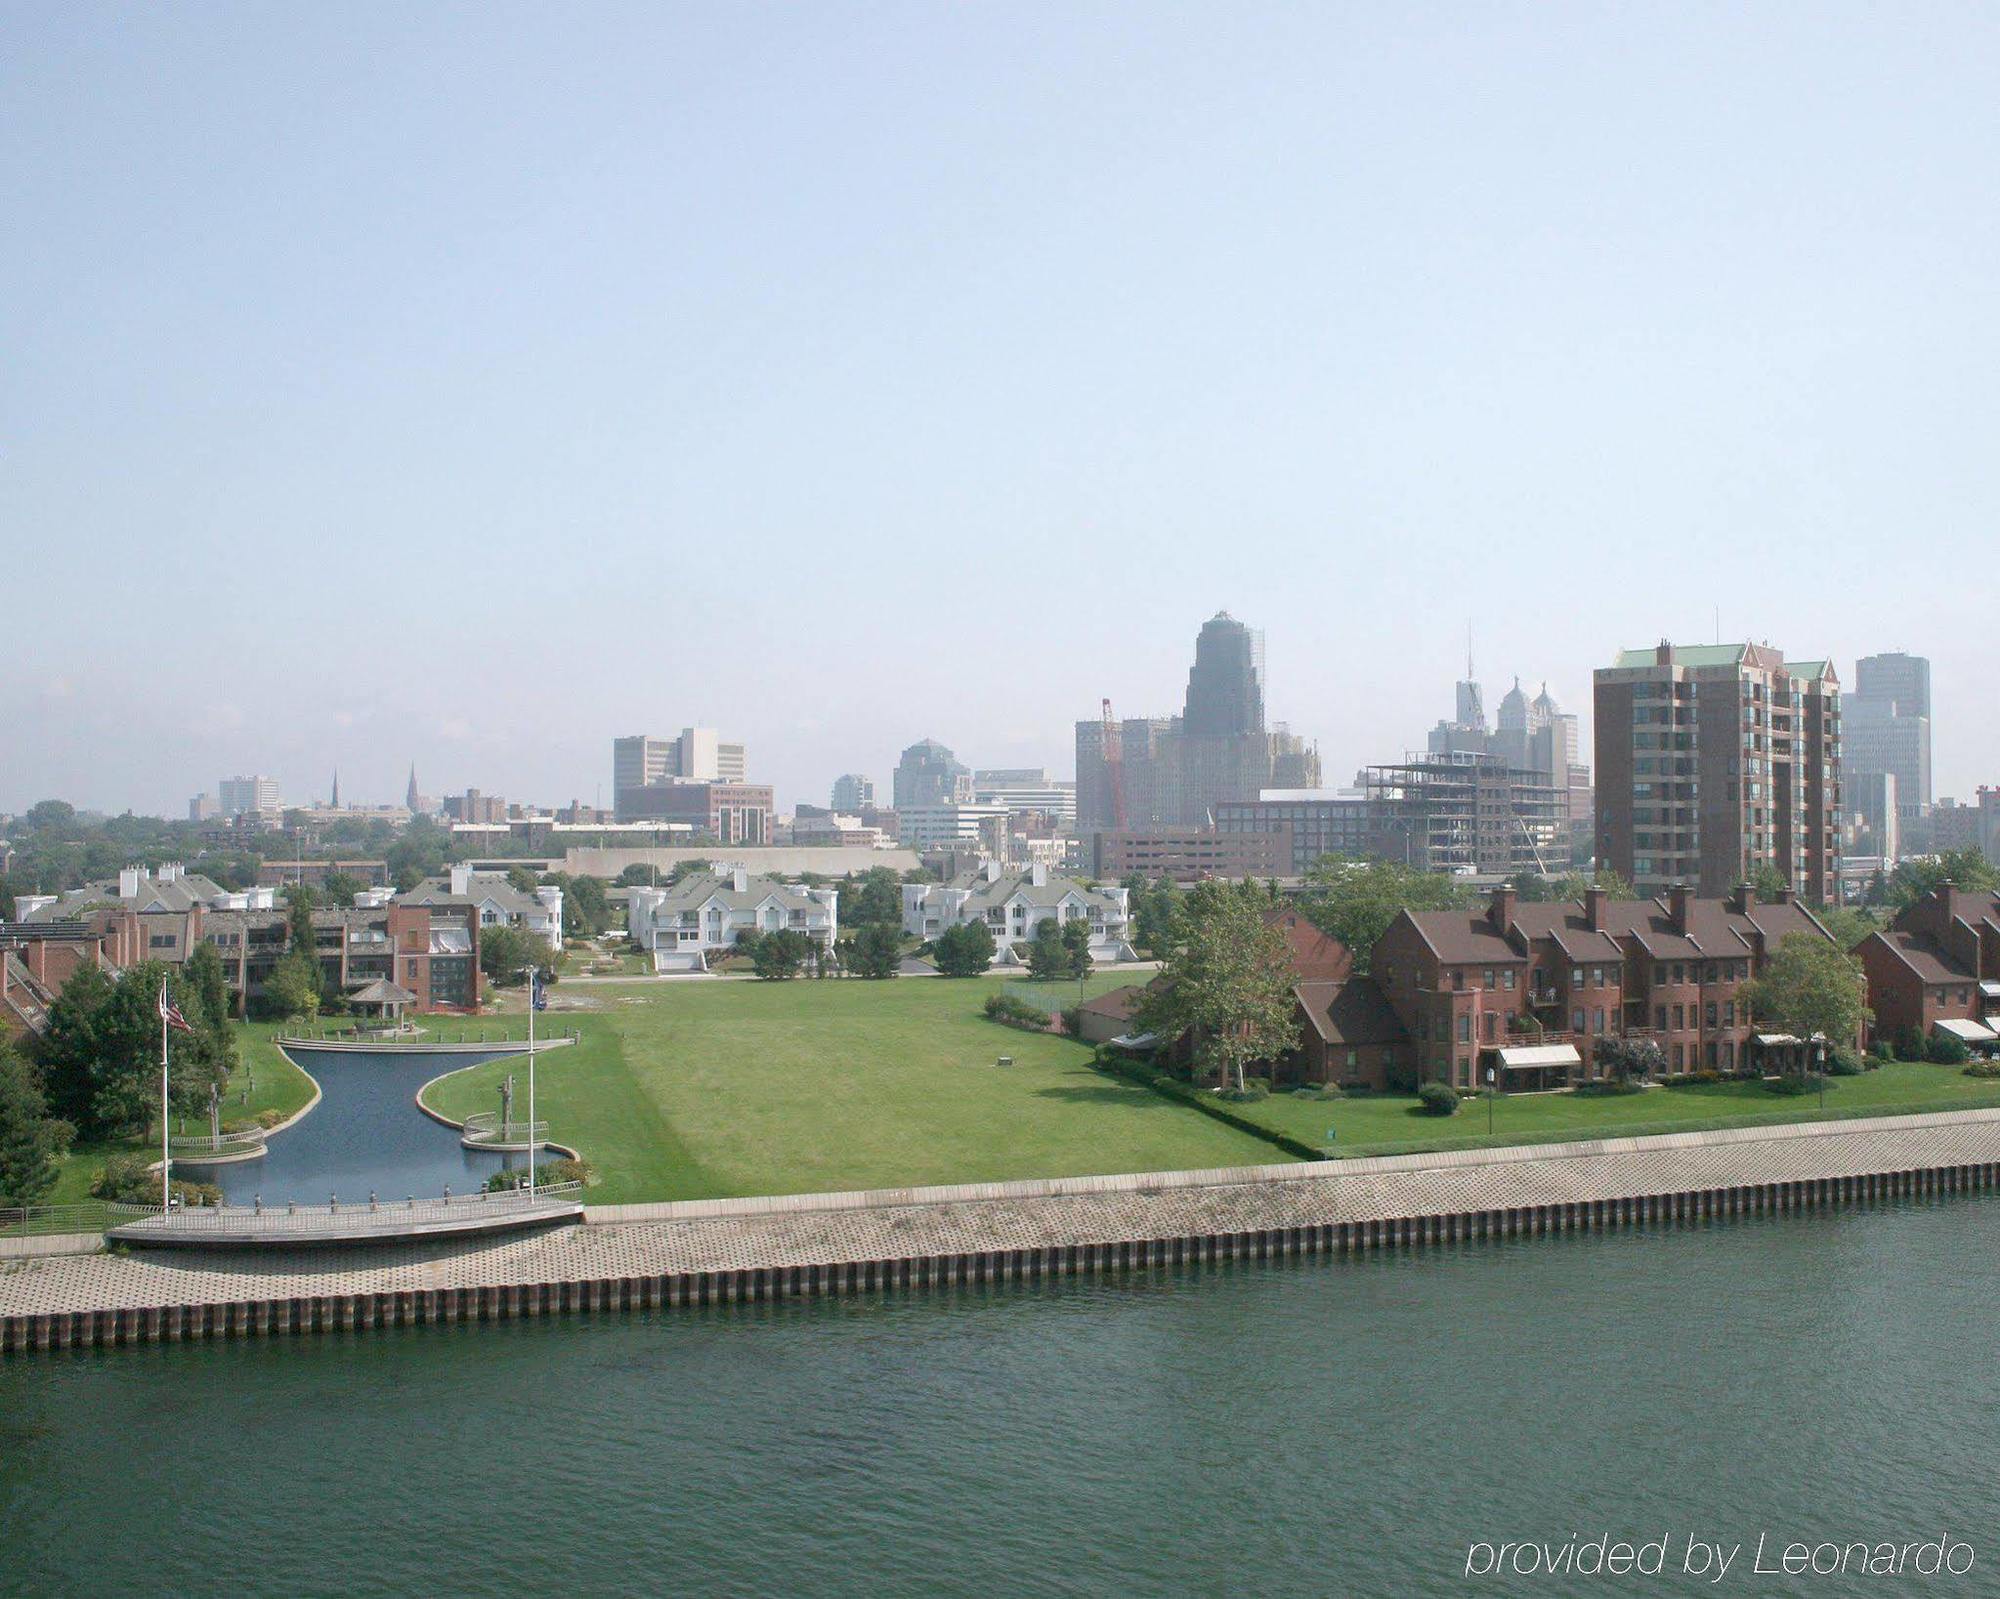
(1715,760)
(1529,991)
(1937,963)
(1187,854)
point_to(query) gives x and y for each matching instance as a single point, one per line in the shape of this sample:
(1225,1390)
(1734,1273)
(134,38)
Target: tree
(1631,1060)
(965,949)
(32,1141)
(506,953)
(522,881)
(875,951)
(636,876)
(1153,910)
(100,1058)
(779,955)
(48,815)
(586,907)
(1076,948)
(1810,987)
(1768,882)
(875,897)
(1227,987)
(1355,901)
(1048,956)
(1848,925)
(293,988)
(339,889)
(299,916)
(1922,876)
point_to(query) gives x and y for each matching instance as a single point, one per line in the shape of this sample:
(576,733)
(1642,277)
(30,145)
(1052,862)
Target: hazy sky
(471,385)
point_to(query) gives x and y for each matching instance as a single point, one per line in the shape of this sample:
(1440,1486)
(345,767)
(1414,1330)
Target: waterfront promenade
(702,1251)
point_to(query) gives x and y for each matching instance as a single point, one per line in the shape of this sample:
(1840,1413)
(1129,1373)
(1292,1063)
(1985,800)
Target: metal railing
(223,1221)
(89,1216)
(192,1147)
(485,1127)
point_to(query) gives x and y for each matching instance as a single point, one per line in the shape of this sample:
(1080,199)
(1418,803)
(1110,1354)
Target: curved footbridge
(638,1257)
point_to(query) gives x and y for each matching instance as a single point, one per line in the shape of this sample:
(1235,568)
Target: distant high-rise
(929,774)
(851,791)
(1225,692)
(241,794)
(1174,771)
(1889,727)
(1714,760)
(696,755)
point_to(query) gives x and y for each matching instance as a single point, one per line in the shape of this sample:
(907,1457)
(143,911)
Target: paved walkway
(828,1229)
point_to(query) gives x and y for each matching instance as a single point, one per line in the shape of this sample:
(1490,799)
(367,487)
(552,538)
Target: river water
(365,1136)
(1322,1427)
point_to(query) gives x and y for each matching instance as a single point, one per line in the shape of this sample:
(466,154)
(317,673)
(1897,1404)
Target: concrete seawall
(808,1246)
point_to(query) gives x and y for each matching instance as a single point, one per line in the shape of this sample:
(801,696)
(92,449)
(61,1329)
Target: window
(1729,1013)
(1353,1060)
(1710,1019)
(1597,977)
(1679,1018)
(1491,1021)
(1457,978)
(1680,972)
(1680,1061)
(1507,979)
(1711,1053)
(1709,971)
(1597,1023)
(1660,1018)
(1576,977)
(1576,1021)
(1464,1072)
(1465,1027)
(1487,979)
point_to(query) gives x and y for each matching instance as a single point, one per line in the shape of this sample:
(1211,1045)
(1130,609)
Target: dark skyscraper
(1225,692)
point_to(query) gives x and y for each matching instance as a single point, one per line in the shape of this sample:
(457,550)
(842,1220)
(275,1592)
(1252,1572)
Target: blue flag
(538,996)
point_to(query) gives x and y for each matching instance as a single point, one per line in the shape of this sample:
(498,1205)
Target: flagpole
(166,1148)
(533,980)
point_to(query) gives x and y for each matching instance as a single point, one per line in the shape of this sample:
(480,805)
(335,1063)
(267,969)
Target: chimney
(1787,894)
(1664,655)
(1038,874)
(1678,899)
(1501,912)
(461,879)
(1740,897)
(128,883)
(1594,901)
(739,879)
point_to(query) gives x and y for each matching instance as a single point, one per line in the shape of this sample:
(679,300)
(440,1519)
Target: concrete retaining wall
(343,1312)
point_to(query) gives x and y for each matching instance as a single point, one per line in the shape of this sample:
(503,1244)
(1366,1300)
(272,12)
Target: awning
(1775,1040)
(1990,989)
(1529,1056)
(1969,1032)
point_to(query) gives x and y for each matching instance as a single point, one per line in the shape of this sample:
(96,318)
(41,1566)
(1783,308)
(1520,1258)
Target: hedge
(1170,1087)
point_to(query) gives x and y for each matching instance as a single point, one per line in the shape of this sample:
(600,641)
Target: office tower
(1889,727)
(929,774)
(851,791)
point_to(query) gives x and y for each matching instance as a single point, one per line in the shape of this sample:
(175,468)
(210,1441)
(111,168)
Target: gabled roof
(699,888)
(1120,1004)
(1922,955)
(1349,1013)
(1461,938)
(1564,924)
(1316,956)
(982,896)
(481,888)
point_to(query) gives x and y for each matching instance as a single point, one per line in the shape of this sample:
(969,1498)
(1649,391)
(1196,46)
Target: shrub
(1248,1094)
(1983,1068)
(1608,1087)
(1842,1062)
(1437,1099)
(1012,1012)
(550,1171)
(1949,1050)
(128,1180)
(1885,1048)
(1792,1084)
(1072,1021)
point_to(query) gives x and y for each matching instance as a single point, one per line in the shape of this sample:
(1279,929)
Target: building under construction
(1466,814)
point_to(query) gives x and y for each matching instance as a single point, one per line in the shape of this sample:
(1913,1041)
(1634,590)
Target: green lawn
(271,1083)
(1379,1123)
(696,1089)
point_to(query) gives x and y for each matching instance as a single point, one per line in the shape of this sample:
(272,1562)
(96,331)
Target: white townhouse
(712,910)
(1014,904)
(499,902)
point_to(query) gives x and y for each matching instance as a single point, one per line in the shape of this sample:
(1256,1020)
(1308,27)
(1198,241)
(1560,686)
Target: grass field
(271,1082)
(697,1089)
(1384,1122)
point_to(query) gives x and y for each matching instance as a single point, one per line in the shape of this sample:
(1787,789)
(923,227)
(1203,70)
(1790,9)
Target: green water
(1324,1427)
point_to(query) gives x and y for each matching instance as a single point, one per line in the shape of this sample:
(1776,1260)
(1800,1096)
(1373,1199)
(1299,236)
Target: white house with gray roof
(708,911)
(499,902)
(1014,904)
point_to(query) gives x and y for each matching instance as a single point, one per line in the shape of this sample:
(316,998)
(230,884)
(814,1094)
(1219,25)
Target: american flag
(170,1013)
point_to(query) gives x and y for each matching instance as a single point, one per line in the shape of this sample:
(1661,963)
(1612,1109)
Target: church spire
(334,803)
(410,799)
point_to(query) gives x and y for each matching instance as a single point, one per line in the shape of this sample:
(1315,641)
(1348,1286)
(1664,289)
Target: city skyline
(514,359)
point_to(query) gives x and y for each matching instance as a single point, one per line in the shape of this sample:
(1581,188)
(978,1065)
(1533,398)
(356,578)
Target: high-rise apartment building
(929,774)
(696,755)
(1714,761)
(852,791)
(1889,727)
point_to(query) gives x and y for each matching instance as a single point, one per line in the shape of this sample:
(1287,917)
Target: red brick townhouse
(1528,991)
(1936,967)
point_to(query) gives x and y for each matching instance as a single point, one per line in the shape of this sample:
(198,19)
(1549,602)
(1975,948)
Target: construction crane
(1114,766)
